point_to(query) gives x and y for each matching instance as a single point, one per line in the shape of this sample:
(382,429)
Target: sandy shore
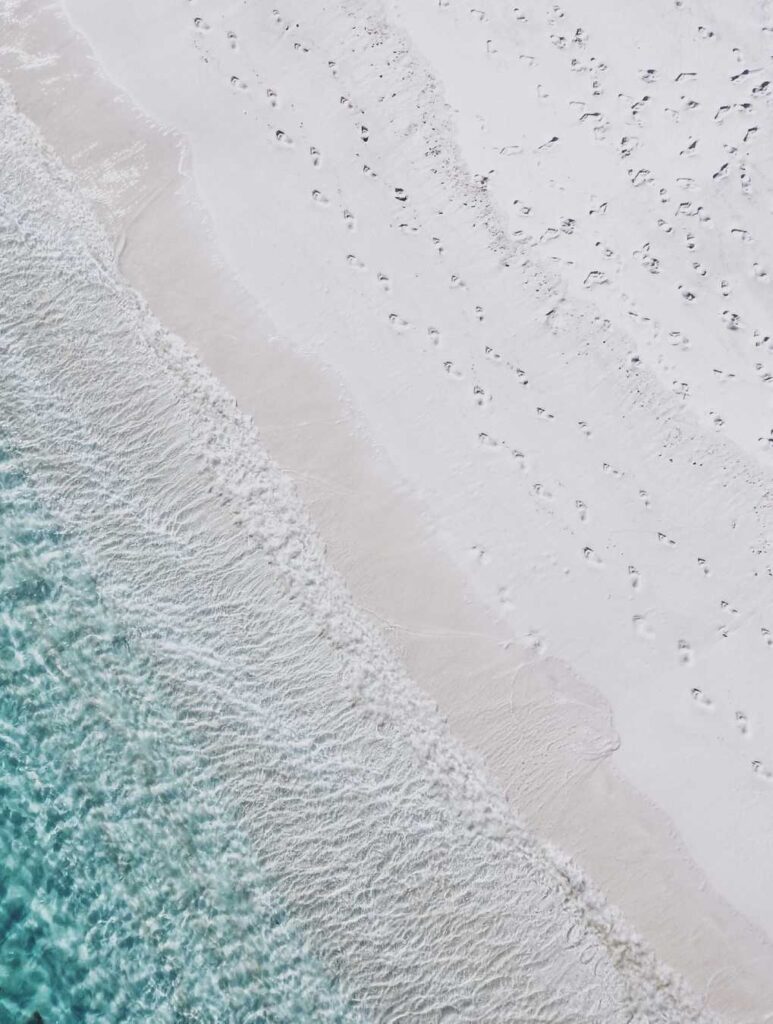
(569,553)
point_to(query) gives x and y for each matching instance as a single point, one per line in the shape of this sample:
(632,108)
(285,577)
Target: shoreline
(312,433)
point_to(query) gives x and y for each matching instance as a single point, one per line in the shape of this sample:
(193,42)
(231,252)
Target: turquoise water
(126,894)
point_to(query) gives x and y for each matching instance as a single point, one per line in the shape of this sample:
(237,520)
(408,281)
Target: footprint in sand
(642,628)
(725,376)
(731,320)
(534,642)
(592,558)
(679,340)
(647,259)
(701,699)
(686,655)
(480,554)
(398,323)
(627,145)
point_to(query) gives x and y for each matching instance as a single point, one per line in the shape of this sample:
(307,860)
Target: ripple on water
(126,892)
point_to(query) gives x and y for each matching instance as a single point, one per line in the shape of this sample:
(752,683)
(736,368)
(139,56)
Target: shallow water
(126,892)
(226,802)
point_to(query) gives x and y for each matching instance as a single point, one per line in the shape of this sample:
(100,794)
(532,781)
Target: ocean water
(221,798)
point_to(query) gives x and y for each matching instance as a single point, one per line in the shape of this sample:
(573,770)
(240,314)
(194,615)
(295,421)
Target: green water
(126,893)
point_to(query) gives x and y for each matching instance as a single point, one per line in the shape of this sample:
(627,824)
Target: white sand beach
(493,284)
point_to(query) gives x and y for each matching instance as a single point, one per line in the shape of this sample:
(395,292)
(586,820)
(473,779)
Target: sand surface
(493,284)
